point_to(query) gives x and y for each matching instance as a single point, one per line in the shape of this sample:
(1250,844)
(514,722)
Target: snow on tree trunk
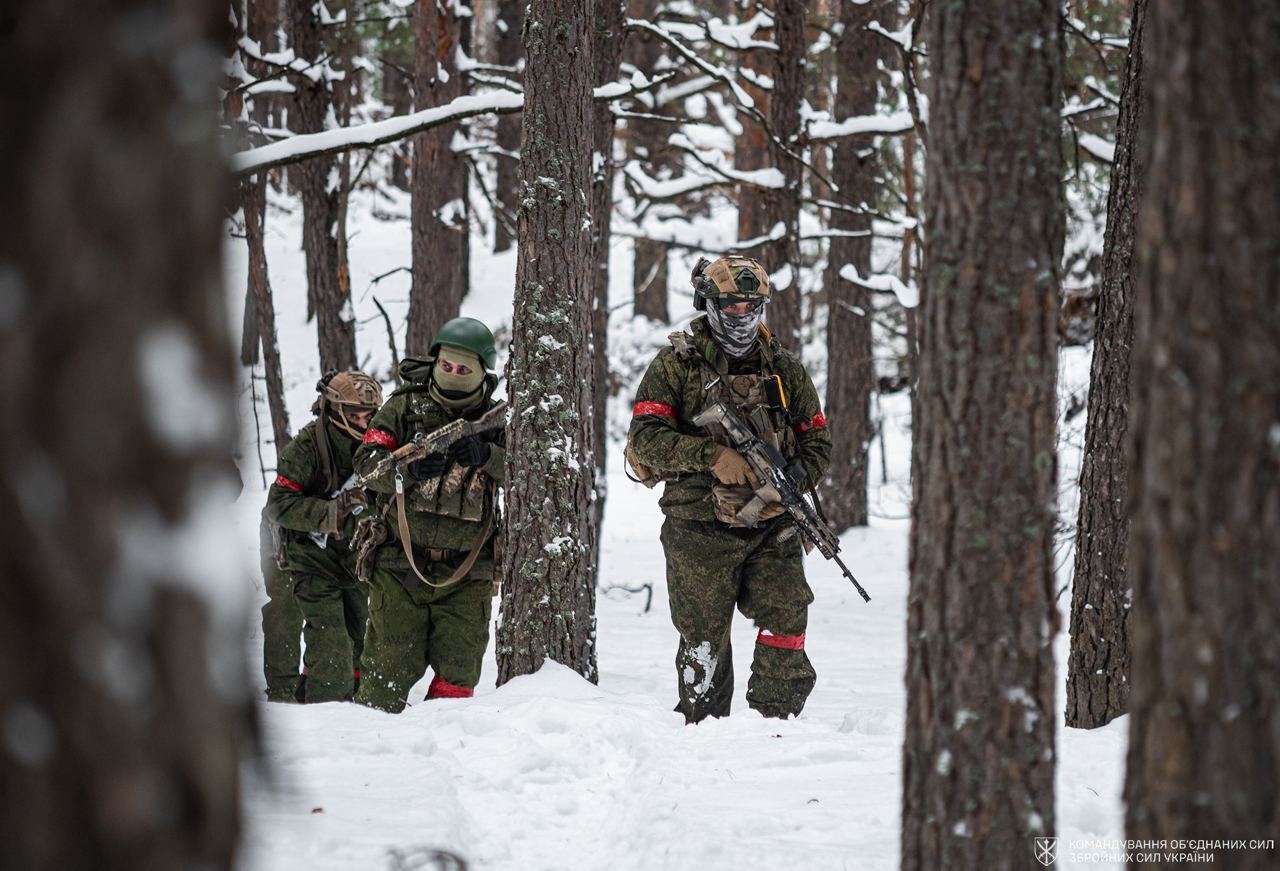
(647,141)
(548,563)
(782,206)
(327,299)
(439,214)
(851,374)
(1098,669)
(978,761)
(119,734)
(1204,758)
(508,24)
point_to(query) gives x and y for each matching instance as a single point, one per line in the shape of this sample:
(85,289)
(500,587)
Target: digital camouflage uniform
(712,567)
(281,623)
(413,626)
(333,602)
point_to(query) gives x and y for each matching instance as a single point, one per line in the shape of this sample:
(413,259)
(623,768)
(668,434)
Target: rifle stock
(771,468)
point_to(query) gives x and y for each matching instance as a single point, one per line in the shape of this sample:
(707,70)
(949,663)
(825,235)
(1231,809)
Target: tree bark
(120,734)
(548,594)
(262,306)
(647,142)
(440,213)
(1098,669)
(978,761)
(510,21)
(335,324)
(1204,757)
(782,257)
(851,374)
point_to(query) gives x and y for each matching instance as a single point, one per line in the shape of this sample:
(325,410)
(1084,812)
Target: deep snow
(551,772)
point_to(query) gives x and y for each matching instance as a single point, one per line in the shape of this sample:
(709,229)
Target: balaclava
(735,334)
(454,391)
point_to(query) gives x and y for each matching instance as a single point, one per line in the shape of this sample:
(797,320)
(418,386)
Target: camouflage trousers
(411,630)
(711,569)
(335,606)
(281,629)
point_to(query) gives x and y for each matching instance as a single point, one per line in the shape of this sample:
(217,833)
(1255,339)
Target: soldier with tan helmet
(714,562)
(314,501)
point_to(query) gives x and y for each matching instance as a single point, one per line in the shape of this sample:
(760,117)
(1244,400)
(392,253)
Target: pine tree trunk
(1098,670)
(978,762)
(440,211)
(851,374)
(262,305)
(782,257)
(335,324)
(509,24)
(1204,757)
(647,142)
(548,594)
(120,734)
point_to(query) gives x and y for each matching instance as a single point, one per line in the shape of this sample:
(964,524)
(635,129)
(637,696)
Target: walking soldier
(714,561)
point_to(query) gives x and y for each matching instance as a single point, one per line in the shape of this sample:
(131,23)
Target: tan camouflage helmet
(351,393)
(732,275)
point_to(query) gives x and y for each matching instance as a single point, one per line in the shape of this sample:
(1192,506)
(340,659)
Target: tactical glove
(430,466)
(731,468)
(469,451)
(772,510)
(351,501)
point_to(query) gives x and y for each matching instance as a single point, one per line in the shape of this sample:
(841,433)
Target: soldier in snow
(714,563)
(314,502)
(431,581)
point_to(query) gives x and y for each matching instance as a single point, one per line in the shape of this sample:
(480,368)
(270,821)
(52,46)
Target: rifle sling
(467,564)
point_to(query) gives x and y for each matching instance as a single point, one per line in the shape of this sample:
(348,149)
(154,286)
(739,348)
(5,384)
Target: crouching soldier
(714,562)
(315,500)
(431,585)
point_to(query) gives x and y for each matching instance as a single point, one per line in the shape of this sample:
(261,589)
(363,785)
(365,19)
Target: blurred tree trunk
(548,591)
(440,214)
(1098,669)
(851,374)
(120,734)
(978,760)
(647,142)
(397,93)
(261,304)
(782,206)
(327,298)
(509,23)
(1204,758)
(751,147)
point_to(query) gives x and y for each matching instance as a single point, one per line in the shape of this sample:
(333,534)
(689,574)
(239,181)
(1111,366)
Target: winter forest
(426,395)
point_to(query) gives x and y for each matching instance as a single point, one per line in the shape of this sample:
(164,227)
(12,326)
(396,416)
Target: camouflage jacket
(298,501)
(673,392)
(433,522)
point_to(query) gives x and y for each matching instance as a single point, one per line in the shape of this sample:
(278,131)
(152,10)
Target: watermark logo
(1046,851)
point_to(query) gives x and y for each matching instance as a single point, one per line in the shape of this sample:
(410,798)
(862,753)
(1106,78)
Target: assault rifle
(438,441)
(777,484)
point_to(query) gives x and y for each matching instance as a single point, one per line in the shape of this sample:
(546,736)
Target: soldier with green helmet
(314,501)
(714,562)
(431,584)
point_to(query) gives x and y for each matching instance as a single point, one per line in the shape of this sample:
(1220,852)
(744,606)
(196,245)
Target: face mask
(735,334)
(451,389)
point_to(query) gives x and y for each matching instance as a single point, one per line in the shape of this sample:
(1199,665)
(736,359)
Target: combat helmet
(731,276)
(470,334)
(346,393)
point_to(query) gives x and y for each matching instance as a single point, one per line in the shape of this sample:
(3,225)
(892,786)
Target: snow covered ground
(551,772)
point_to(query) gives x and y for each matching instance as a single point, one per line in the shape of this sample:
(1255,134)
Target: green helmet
(732,275)
(470,334)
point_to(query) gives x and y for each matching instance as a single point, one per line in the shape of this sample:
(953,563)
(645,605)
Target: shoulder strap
(683,344)
(467,564)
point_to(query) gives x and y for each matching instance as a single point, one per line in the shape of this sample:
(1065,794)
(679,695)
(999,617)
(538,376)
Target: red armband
(659,408)
(381,438)
(786,642)
(287,484)
(818,421)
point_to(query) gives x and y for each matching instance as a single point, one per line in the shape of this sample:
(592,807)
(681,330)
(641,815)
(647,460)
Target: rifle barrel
(848,574)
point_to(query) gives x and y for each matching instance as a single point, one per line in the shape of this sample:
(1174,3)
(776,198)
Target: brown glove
(731,468)
(351,501)
(772,510)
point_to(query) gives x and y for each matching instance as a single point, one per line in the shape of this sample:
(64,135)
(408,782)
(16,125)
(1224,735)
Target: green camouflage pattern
(333,604)
(711,569)
(281,624)
(681,451)
(411,630)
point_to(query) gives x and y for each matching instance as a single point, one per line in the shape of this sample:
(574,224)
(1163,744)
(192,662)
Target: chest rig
(461,491)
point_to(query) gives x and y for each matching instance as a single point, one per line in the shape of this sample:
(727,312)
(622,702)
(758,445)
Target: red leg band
(787,642)
(442,689)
